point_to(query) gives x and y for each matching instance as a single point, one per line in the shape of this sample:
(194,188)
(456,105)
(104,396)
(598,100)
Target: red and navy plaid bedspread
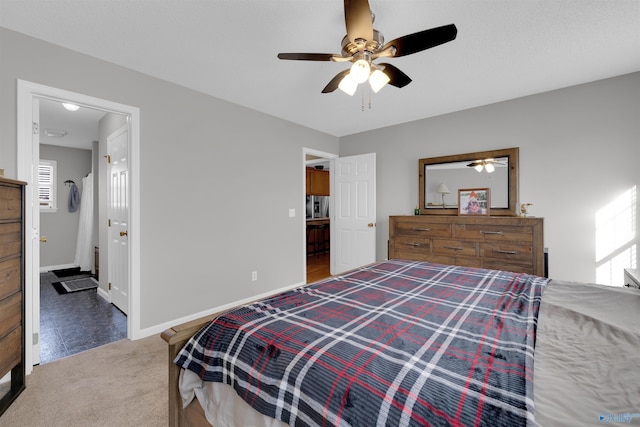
(398,343)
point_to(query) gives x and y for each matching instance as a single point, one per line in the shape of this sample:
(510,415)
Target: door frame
(27,92)
(303,215)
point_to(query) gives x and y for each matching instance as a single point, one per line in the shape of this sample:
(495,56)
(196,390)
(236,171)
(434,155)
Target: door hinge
(109,285)
(36,128)
(36,338)
(108,157)
(109,223)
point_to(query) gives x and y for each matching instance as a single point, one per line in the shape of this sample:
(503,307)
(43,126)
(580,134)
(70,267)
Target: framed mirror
(440,178)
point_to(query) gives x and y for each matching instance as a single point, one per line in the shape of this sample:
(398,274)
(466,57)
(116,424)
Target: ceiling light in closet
(70,107)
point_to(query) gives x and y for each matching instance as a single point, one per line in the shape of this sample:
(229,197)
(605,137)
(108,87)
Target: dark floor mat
(66,272)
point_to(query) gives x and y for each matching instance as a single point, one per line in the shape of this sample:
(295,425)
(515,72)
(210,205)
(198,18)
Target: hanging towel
(74,197)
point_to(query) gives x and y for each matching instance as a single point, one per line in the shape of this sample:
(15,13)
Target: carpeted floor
(119,384)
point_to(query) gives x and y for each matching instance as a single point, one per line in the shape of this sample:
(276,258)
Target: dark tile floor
(75,322)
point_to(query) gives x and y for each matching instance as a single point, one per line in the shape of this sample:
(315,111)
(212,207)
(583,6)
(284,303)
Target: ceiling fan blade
(419,41)
(357,16)
(308,56)
(335,82)
(396,77)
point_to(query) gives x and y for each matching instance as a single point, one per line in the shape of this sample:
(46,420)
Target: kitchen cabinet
(317,182)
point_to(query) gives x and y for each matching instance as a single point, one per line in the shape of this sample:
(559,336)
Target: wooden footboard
(176,337)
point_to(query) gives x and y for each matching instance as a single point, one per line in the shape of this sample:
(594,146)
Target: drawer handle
(498,251)
(499,233)
(421,229)
(415,245)
(455,248)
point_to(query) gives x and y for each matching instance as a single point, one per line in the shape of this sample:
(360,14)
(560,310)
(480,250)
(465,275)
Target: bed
(413,343)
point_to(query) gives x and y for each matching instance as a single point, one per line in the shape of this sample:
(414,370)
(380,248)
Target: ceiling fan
(363,44)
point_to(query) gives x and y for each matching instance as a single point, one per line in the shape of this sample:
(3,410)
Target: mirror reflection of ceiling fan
(486,164)
(363,44)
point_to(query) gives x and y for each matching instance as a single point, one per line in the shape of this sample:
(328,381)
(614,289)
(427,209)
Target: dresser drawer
(10,239)
(10,202)
(10,350)
(10,276)
(485,232)
(10,313)
(409,247)
(508,251)
(507,265)
(421,228)
(455,247)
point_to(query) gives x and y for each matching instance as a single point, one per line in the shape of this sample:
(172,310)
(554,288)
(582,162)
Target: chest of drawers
(11,290)
(502,243)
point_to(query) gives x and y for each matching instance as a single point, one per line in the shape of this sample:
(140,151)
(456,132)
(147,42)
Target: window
(47,185)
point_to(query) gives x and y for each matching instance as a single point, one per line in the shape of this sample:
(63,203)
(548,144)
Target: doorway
(317,166)
(29,95)
(74,316)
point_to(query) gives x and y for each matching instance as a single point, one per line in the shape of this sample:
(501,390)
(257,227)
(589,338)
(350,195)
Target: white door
(353,227)
(118,214)
(32,237)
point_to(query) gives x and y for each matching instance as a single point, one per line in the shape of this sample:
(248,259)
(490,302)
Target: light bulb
(489,167)
(478,167)
(348,85)
(360,71)
(377,80)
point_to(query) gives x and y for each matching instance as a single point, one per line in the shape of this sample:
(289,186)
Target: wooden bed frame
(176,337)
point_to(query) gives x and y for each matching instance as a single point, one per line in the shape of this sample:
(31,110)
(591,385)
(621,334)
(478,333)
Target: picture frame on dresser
(474,201)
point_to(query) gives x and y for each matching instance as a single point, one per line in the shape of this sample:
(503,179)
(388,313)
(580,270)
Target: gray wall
(61,227)
(216,180)
(579,151)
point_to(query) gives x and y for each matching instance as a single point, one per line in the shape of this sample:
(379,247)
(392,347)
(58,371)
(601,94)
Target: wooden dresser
(11,290)
(502,243)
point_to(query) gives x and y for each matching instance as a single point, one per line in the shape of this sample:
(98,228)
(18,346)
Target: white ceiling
(80,127)
(227,48)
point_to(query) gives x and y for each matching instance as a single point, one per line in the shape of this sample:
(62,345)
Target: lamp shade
(360,71)
(442,189)
(377,80)
(489,167)
(348,85)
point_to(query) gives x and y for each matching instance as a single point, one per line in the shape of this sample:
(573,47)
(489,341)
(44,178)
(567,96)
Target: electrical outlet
(254,276)
(292,213)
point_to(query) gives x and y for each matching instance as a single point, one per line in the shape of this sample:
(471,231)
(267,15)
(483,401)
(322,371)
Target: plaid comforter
(397,343)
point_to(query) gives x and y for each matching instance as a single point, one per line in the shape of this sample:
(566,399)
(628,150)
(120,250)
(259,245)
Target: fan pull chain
(362,97)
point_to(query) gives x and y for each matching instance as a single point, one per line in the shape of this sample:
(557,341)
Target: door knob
(43,239)
(123,233)
(371,225)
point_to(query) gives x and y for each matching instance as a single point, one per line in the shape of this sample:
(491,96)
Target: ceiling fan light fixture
(348,85)
(478,167)
(489,167)
(378,80)
(360,71)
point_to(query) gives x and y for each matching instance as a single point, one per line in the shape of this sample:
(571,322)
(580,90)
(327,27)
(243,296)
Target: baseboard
(158,329)
(104,294)
(56,267)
